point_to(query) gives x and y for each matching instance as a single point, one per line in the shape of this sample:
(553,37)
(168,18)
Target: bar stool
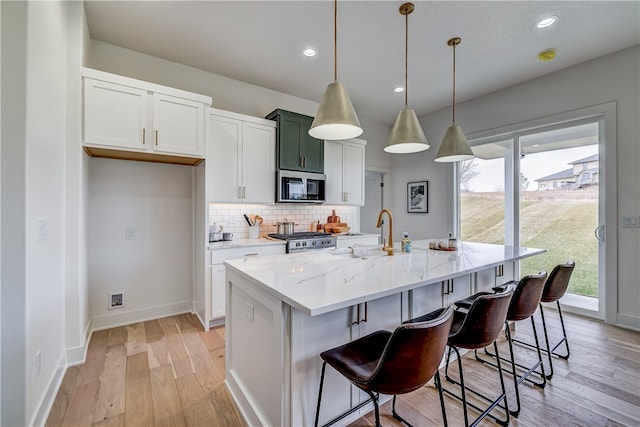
(478,328)
(393,363)
(554,288)
(522,306)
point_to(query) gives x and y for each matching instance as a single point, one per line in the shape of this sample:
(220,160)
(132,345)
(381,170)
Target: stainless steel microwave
(299,187)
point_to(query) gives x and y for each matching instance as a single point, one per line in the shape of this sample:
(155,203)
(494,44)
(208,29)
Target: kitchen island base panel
(262,346)
(254,358)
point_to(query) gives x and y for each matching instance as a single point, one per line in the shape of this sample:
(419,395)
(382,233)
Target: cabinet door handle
(239,192)
(251,254)
(357,321)
(144,134)
(244,192)
(450,285)
(366,309)
(156,137)
(301,162)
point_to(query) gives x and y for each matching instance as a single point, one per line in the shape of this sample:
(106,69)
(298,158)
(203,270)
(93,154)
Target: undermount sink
(360,252)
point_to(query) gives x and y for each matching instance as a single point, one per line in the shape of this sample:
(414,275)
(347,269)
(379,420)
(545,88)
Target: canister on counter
(453,242)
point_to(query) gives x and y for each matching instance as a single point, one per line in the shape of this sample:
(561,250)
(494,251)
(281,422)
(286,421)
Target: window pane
(559,203)
(482,194)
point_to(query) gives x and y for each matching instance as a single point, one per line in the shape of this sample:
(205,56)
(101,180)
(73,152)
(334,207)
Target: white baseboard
(78,355)
(40,416)
(122,318)
(628,322)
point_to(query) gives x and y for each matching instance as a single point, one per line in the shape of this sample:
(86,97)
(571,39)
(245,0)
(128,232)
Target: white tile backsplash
(229,216)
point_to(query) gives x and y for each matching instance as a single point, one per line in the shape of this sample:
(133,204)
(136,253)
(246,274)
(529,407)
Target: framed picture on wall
(418,197)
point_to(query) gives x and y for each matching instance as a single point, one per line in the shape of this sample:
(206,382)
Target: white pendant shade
(454,147)
(406,134)
(335,119)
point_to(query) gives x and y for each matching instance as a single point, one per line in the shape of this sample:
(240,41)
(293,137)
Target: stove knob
(297,244)
(314,243)
(304,243)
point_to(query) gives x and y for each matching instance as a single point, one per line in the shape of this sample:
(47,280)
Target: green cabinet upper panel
(295,148)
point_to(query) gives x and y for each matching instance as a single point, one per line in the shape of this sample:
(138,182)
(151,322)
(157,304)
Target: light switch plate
(630,222)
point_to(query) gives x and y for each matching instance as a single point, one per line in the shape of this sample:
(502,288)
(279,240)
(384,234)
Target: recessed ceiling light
(309,52)
(398,89)
(547,22)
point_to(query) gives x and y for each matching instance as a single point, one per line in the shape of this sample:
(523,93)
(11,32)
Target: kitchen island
(284,310)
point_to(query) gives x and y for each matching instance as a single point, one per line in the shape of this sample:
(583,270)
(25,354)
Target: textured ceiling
(260,42)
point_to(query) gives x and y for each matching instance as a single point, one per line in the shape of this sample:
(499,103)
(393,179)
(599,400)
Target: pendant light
(454,147)
(335,119)
(406,134)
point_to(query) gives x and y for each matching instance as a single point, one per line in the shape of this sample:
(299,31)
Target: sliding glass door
(540,188)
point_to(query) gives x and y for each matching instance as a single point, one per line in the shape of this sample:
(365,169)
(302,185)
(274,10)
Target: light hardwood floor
(170,372)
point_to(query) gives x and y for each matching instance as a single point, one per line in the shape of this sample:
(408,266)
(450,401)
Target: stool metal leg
(466,404)
(551,351)
(436,380)
(324,365)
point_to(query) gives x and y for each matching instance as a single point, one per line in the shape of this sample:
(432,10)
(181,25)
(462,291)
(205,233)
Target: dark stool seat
(477,328)
(465,303)
(392,363)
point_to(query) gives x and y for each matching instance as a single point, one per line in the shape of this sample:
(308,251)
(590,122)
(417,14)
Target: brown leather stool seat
(478,328)
(392,363)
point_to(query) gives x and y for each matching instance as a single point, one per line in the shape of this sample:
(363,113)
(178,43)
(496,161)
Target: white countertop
(241,243)
(317,282)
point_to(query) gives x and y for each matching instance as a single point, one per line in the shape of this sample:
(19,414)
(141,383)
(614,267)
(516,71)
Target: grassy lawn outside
(563,223)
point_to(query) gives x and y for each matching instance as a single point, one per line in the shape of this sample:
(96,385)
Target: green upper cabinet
(295,148)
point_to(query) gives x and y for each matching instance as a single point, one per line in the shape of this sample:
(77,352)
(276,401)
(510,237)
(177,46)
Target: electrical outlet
(248,310)
(130,234)
(41,229)
(38,362)
(116,300)
(630,222)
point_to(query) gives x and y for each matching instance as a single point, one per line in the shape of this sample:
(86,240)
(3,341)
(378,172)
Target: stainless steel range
(306,240)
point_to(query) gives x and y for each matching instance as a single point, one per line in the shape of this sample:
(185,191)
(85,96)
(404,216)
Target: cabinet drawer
(220,255)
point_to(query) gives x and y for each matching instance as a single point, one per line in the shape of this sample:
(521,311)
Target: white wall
(13,385)
(45,195)
(155,269)
(33,289)
(610,78)
(77,319)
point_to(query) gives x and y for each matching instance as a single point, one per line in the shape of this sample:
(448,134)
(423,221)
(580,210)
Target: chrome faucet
(387,249)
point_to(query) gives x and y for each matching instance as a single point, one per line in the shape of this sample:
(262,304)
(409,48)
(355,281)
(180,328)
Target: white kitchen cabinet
(425,299)
(215,308)
(348,324)
(494,276)
(130,119)
(344,163)
(240,158)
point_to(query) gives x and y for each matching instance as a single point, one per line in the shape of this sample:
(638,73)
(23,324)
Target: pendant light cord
(454,85)
(406,60)
(335,40)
